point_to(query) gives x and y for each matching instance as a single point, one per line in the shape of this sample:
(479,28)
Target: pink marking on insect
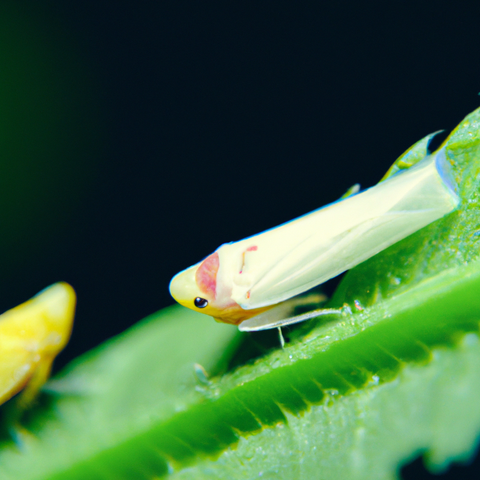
(253,248)
(206,275)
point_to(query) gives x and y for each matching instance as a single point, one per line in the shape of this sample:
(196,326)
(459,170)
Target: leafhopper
(249,283)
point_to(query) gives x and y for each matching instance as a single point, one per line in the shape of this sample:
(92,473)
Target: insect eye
(200,302)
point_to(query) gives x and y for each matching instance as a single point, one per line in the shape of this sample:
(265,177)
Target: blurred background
(136,137)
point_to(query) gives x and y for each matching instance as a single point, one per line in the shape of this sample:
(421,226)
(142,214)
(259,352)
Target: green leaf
(351,397)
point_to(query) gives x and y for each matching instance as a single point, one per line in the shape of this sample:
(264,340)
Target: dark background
(137,137)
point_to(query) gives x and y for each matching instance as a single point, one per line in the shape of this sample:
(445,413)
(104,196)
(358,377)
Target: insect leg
(252,325)
(280,336)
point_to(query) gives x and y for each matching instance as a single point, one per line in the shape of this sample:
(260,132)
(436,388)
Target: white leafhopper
(248,283)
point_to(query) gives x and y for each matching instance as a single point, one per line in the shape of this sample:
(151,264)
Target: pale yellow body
(31,336)
(251,282)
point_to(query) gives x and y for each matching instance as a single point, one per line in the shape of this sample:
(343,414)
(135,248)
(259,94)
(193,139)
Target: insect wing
(312,249)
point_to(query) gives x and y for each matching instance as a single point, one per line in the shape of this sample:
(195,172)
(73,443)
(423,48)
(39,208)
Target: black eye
(200,302)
